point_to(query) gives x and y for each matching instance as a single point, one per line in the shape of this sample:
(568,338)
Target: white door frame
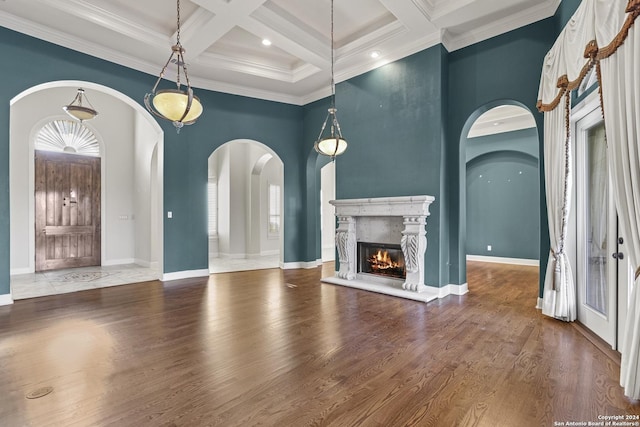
(586,115)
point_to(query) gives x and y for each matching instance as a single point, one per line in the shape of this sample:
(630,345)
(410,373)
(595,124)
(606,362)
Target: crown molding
(233,89)
(59,38)
(529,16)
(109,20)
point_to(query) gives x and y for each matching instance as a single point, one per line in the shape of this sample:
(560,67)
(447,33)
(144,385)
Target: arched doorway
(245,187)
(131,209)
(501,200)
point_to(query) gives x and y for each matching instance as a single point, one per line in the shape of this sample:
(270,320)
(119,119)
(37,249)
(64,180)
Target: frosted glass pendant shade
(172,104)
(332,146)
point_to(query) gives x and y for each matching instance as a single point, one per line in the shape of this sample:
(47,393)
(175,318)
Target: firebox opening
(381,259)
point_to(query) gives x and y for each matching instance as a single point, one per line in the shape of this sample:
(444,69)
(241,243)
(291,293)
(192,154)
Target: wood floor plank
(281,348)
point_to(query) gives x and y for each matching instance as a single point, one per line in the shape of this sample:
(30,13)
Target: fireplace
(381,259)
(367,228)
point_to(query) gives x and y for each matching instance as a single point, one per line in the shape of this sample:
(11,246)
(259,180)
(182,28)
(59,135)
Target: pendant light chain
(178,29)
(179,48)
(180,106)
(333,81)
(331,144)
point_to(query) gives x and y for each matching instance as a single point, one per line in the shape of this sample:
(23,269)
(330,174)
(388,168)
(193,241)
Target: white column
(414,245)
(346,245)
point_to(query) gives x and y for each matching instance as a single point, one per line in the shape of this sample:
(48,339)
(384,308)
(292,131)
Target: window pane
(274,209)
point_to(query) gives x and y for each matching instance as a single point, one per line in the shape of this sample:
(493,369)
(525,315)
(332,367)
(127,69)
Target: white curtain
(621,102)
(559,296)
(616,44)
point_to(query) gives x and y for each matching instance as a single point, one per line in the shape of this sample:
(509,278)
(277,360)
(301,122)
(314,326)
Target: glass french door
(600,248)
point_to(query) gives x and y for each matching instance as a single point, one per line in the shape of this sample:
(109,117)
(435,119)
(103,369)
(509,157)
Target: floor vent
(38,393)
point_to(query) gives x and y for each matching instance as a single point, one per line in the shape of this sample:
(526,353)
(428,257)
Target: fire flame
(382,261)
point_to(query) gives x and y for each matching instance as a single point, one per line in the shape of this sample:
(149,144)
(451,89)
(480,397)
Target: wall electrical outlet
(489,248)
(169,214)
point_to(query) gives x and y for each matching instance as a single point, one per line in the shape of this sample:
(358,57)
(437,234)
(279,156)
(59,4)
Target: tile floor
(78,279)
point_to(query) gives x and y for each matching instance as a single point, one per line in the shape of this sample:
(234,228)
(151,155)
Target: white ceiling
(223,38)
(503,118)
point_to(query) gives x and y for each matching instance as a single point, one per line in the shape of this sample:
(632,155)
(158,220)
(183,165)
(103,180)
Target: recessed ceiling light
(375,54)
(266,42)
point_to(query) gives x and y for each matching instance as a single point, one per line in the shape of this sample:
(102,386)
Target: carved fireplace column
(414,245)
(346,245)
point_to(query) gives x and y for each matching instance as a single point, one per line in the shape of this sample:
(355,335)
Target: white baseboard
(142,263)
(502,260)
(453,290)
(296,265)
(270,253)
(539,304)
(6,299)
(119,261)
(232,256)
(187,274)
(17,271)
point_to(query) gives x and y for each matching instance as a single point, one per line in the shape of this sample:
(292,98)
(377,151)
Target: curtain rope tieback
(637,274)
(557,268)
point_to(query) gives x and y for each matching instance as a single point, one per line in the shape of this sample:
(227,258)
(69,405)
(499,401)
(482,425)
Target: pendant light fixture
(79,111)
(331,143)
(181,107)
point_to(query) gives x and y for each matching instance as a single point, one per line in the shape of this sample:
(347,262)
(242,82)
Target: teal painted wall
(504,68)
(392,118)
(502,206)
(226,117)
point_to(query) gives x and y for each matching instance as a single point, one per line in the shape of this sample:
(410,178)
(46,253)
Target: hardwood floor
(278,348)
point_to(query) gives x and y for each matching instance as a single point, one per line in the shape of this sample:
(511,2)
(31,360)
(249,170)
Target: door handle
(618,255)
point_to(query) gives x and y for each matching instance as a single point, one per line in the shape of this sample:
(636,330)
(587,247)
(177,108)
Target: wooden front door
(67,210)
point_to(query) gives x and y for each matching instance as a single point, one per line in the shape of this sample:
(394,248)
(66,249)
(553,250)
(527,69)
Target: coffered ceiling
(223,38)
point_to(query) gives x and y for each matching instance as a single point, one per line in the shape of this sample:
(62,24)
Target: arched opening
(130,189)
(327,212)
(500,187)
(245,187)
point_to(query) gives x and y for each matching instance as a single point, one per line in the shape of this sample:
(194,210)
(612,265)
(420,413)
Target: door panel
(67,210)
(596,276)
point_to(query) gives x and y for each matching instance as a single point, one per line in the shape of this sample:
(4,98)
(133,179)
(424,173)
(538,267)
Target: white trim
(296,265)
(270,253)
(453,290)
(232,256)
(120,261)
(6,299)
(186,274)
(142,263)
(540,11)
(539,304)
(502,260)
(18,271)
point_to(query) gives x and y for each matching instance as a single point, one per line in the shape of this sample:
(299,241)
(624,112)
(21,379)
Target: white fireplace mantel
(396,220)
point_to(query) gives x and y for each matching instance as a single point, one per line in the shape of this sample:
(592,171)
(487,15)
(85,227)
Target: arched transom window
(67,136)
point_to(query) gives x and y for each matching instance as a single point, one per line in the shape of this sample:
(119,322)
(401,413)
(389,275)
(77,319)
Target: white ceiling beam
(412,13)
(225,17)
(288,37)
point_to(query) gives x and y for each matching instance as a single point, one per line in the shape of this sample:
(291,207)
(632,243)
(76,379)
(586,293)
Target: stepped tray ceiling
(223,38)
